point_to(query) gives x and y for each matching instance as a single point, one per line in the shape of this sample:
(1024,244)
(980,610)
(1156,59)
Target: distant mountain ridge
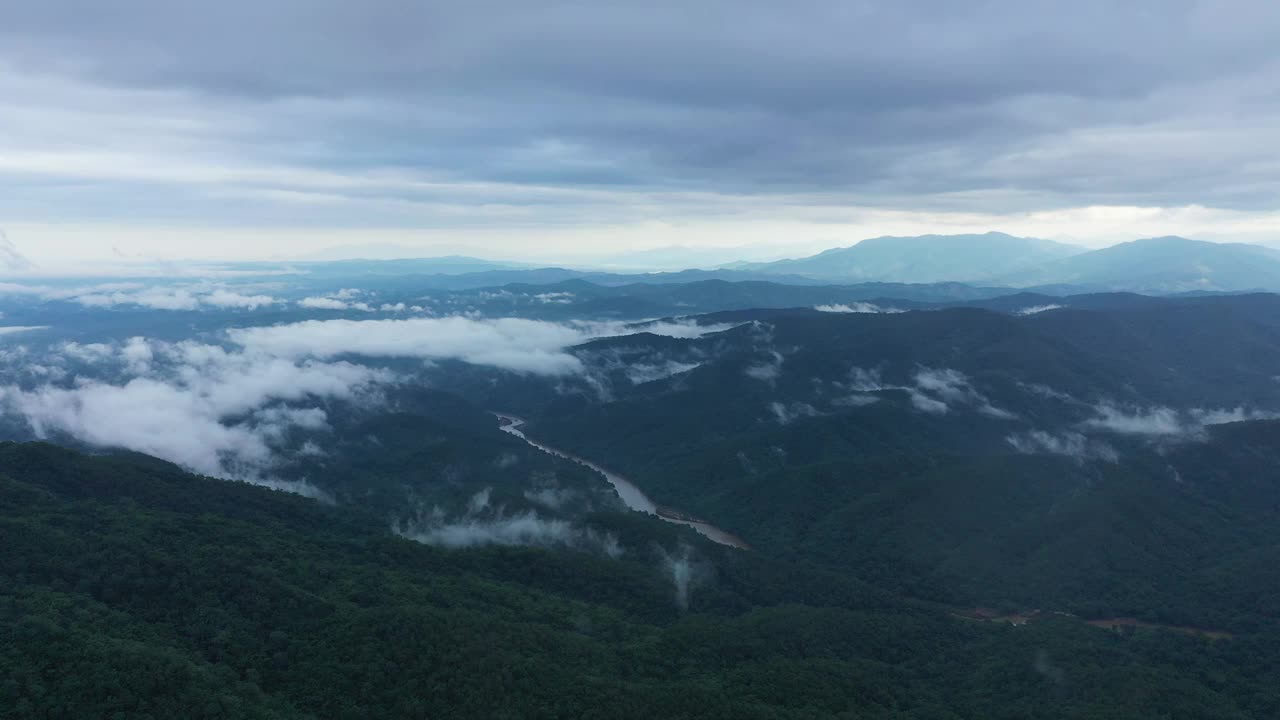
(924,259)
(1167,264)
(1163,265)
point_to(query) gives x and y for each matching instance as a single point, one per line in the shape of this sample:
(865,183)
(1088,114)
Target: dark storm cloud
(990,106)
(802,56)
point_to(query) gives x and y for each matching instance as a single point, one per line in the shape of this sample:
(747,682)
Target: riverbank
(632,496)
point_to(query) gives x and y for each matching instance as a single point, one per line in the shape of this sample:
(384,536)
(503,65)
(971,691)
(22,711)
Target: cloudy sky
(569,130)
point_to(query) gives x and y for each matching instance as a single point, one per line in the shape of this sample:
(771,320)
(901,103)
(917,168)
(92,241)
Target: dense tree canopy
(131,589)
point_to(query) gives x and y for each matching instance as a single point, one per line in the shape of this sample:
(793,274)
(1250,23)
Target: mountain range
(912,470)
(924,259)
(1155,265)
(1163,265)
(962,455)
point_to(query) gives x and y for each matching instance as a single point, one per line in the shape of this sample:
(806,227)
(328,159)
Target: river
(632,496)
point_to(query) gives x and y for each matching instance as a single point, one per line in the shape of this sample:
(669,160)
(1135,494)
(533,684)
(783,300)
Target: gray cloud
(1036,309)
(177,299)
(857,307)
(526,528)
(1072,444)
(1159,421)
(482,524)
(520,345)
(867,380)
(14,329)
(926,404)
(932,390)
(161,299)
(685,571)
(640,373)
(937,389)
(554,298)
(682,328)
(154,297)
(1139,421)
(514,344)
(332,303)
(787,414)
(767,371)
(232,299)
(218,412)
(402,113)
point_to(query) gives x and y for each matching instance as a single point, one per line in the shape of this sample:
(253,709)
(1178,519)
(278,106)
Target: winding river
(632,496)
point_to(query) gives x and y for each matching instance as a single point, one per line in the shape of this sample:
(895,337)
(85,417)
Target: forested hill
(129,589)
(1100,462)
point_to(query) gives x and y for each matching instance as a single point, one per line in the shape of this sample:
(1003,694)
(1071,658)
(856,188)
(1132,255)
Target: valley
(699,360)
(632,496)
(769,500)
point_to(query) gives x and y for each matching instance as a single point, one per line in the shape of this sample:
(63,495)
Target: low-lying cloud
(525,528)
(936,390)
(857,307)
(227,411)
(768,370)
(333,303)
(482,524)
(14,329)
(175,299)
(1165,421)
(1071,444)
(1036,309)
(194,296)
(789,413)
(1156,423)
(640,373)
(684,572)
(525,346)
(214,411)
(685,329)
(926,404)
(932,390)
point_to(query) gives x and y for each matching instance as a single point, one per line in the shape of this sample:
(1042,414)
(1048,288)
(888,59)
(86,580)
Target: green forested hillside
(819,436)
(131,589)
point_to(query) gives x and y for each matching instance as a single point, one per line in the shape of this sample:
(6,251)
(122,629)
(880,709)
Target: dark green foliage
(1181,529)
(129,589)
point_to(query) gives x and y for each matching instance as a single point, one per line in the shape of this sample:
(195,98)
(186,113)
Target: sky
(578,131)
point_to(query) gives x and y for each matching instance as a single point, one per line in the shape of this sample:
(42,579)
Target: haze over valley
(711,360)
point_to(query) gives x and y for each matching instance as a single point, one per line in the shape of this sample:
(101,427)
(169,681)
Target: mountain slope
(967,455)
(1161,265)
(922,259)
(130,589)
